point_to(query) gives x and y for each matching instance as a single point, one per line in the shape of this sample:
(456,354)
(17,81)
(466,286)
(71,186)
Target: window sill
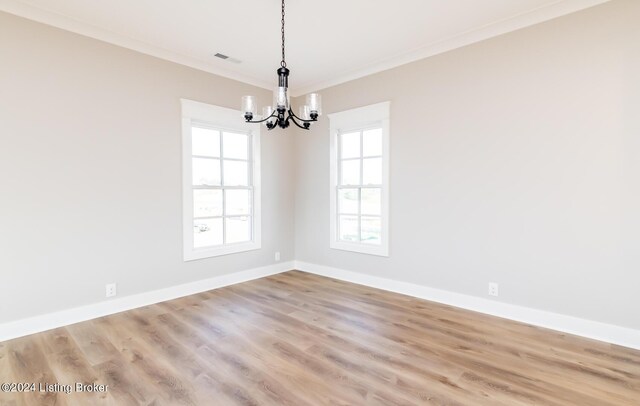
(209,252)
(378,250)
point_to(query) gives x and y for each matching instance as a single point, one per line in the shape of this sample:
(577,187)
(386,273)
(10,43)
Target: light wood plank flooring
(300,339)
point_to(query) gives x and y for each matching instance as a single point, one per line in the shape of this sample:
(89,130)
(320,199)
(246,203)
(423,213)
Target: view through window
(360,186)
(222,198)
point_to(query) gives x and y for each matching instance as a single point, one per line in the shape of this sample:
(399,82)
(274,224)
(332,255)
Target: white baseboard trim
(23,327)
(623,336)
(573,325)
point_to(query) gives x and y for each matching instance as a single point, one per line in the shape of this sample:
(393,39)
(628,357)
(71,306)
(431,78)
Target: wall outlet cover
(111,290)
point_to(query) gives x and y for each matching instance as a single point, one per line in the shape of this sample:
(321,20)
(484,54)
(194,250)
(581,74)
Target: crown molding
(523,20)
(545,13)
(68,24)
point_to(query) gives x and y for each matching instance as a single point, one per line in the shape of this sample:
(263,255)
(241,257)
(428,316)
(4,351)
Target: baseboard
(573,325)
(623,336)
(23,327)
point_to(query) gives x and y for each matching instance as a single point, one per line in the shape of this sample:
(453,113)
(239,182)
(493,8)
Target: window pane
(350,172)
(349,228)
(348,201)
(372,171)
(205,142)
(372,142)
(371,230)
(207,233)
(206,172)
(350,145)
(207,203)
(238,229)
(371,201)
(237,202)
(236,173)
(235,145)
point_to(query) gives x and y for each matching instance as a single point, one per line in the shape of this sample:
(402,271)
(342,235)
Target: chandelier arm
(302,119)
(291,117)
(263,120)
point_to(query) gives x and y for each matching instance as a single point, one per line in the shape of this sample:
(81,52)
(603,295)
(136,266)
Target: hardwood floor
(300,339)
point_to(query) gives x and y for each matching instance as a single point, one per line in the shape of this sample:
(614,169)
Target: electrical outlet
(277,256)
(493,289)
(111,290)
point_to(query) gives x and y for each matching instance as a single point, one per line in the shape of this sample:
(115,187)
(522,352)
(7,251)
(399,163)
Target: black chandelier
(281,114)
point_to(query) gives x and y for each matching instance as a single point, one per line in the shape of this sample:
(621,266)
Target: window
(360,179)
(221,182)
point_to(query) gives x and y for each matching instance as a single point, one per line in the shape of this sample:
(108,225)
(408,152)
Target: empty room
(362,202)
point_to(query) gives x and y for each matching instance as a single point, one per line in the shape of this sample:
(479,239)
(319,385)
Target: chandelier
(281,114)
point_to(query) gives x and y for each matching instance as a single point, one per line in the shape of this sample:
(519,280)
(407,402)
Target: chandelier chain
(283,63)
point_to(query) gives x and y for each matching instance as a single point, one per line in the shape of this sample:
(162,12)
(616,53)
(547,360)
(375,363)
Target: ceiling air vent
(227,58)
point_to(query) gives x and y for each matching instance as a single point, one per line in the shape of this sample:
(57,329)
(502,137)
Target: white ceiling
(328,41)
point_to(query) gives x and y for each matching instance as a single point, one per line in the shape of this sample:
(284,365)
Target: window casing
(221,182)
(360,180)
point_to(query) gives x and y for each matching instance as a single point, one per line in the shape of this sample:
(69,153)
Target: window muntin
(359,173)
(360,188)
(222,191)
(221,182)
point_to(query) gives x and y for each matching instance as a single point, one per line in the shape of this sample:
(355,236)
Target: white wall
(90,171)
(515,160)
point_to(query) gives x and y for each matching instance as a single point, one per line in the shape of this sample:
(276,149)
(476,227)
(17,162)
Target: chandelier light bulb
(281,97)
(267,111)
(314,101)
(249,106)
(305,112)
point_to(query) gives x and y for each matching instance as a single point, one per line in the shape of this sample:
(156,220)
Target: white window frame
(222,118)
(376,115)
